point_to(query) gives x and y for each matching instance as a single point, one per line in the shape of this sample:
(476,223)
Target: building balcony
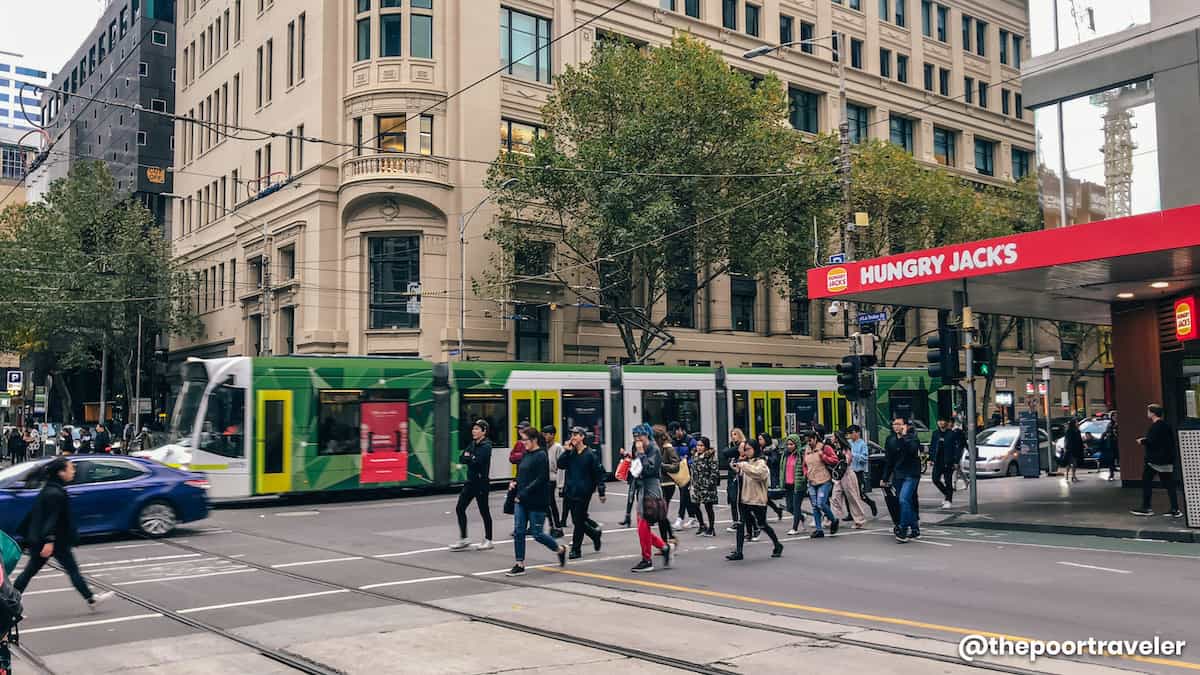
(397,166)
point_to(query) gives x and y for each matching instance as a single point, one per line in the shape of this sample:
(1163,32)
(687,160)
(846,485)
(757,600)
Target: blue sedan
(110,494)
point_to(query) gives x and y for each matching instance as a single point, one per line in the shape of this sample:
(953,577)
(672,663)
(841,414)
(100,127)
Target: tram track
(634,604)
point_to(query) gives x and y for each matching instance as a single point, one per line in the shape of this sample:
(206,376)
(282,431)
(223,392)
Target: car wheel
(157,519)
(1012,470)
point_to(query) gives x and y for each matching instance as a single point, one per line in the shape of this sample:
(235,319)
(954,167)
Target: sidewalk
(1092,506)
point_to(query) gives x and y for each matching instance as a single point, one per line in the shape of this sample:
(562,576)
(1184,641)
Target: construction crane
(1119,145)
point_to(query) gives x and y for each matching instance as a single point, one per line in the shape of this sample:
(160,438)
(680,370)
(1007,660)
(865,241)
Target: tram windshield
(187,406)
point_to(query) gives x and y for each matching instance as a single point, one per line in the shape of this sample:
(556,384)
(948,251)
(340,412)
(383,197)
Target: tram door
(766,413)
(835,411)
(273,442)
(538,408)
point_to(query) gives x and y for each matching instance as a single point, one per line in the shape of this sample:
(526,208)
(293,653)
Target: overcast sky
(47,32)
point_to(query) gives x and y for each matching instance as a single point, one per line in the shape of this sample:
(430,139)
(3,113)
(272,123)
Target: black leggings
(478,493)
(756,515)
(687,508)
(65,558)
(710,509)
(664,525)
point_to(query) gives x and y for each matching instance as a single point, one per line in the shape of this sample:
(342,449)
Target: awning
(1069,273)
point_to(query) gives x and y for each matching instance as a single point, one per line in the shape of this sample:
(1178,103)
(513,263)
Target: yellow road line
(896,621)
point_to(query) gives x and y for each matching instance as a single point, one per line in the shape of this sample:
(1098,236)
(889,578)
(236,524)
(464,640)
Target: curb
(1184,537)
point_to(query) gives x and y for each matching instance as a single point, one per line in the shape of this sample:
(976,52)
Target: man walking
(1159,443)
(554,450)
(583,474)
(860,454)
(478,458)
(51,531)
(902,471)
(945,451)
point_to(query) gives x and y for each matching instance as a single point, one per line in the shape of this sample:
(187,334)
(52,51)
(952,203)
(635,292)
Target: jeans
(580,523)
(532,523)
(794,499)
(647,538)
(65,558)
(758,516)
(1168,481)
(863,488)
(478,494)
(819,496)
(906,491)
(943,480)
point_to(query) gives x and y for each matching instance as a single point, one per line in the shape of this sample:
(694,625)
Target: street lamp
(463,221)
(843,126)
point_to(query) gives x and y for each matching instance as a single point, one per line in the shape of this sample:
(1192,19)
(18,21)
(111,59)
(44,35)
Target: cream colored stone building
(354,234)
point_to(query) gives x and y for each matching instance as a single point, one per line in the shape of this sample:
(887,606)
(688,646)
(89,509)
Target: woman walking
(532,502)
(670,466)
(730,454)
(845,497)
(754,476)
(773,456)
(647,468)
(706,475)
(795,485)
(817,458)
(478,459)
(1073,445)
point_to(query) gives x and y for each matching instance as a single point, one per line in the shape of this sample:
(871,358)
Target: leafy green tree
(83,265)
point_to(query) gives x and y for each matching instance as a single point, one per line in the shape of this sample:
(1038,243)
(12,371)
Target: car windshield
(997,438)
(1093,427)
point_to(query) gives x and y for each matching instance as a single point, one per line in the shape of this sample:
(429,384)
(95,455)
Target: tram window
(664,407)
(802,404)
(339,415)
(741,410)
(223,432)
(584,409)
(760,415)
(843,413)
(911,404)
(273,437)
(490,406)
(776,418)
(827,419)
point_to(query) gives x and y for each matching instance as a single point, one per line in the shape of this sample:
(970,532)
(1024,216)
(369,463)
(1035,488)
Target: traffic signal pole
(972,488)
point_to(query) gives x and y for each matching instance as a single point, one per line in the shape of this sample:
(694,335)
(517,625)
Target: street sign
(873,317)
(15,381)
(1029,454)
(414,306)
(1046,374)
(1066,399)
(1001,383)
(837,258)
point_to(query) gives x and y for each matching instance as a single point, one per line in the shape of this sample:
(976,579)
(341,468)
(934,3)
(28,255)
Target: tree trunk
(66,405)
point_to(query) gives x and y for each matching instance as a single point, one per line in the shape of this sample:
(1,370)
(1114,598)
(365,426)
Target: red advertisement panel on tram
(384,442)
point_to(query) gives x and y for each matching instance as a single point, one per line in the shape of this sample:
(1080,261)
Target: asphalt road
(952,582)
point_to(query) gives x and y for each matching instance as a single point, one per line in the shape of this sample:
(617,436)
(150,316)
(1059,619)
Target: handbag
(839,470)
(683,476)
(510,501)
(654,509)
(635,469)
(622,472)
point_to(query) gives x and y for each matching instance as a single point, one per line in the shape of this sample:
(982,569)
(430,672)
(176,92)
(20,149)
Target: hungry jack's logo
(837,279)
(1185,321)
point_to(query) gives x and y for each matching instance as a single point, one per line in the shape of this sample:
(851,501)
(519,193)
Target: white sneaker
(946,504)
(460,545)
(485,545)
(678,524)
(99,598)
(792,533)
(731,528)
(690,522)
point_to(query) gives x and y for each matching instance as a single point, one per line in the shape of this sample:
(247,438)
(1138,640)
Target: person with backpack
(478,459)
(769,449)
(845,497)
(50,532)
(11,611)
(795,485)
(818,458)
(583,475)
(706,476)
(670,467)
(648,497)
(531,502)
(730,454)
(754,476)
(684,446)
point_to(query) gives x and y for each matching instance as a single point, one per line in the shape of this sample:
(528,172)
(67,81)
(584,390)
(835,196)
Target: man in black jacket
(532,501)
(102,440)
(478,458)
(902,472)
(1159,443)
(945,451)
(51,531)
(583,474)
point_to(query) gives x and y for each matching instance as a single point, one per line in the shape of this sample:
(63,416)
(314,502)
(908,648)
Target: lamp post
(463,221)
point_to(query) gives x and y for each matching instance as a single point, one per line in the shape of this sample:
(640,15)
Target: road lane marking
(48,590)
(410,581)
(124,546)
(186,576)
(262,601)
(317,562)
(164,563)
(139,560)
(1093,567)
(896,621)
(932,543)
(293,514)
(416,552)
(1006,542)
(84,624)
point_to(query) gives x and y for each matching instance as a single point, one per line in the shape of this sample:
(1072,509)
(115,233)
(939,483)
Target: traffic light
(850,376)
(943,355)
(981,361)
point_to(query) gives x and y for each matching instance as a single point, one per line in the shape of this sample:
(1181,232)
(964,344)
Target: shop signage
(156,175)
(1185,319)
(15,382)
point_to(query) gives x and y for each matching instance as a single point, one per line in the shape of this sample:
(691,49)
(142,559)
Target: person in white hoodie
(553,452)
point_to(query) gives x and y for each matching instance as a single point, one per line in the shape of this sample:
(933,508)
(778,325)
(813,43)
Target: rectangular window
(300,47)
(339,422)
(287,162)
(489,406)
(856,4)
(270,70)
(835,40)
(421,36)
(236,184)
(143,69)
(803,113)
(141,138)
(532,336)
(158,105)
(743,295)
(389,34)
(363,6)
(258,60)
(752,14)
(927,18)
(942,13)
(729,14)
(966,33)
(287,329)
(1020,163)
(928,77)
(968,89)
(981,37)
(1003,46)
(426,135)
(237,14)
(944,142)
(1005,105)
(856,53)
(983,94)
(902,68)
(392,133)
(362,49)
(291,53)
(857,115)
(395,264)
(358,136)
(225,37)
(525,45)
(692,8)
(884,10)
(800,315)
(944,81)
(1016,51)
(885,63)
(806,33)
(985,157)
(287,262)
(300,148)
(901,132)
(123,21)
(158,37)
(901,13)
(1020,106)
(518,137)
(786,24)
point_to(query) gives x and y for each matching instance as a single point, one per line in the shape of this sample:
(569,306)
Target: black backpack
(10,606)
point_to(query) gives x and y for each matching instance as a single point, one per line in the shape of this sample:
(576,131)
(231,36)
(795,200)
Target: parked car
(998,448)
(110,494)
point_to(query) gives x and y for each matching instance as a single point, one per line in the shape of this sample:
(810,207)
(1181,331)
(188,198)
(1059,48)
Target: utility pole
(137,382)
(969,339)
(103,376)
(264,329)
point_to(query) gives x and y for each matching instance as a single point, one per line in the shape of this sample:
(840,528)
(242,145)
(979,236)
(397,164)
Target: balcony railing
(396,165)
